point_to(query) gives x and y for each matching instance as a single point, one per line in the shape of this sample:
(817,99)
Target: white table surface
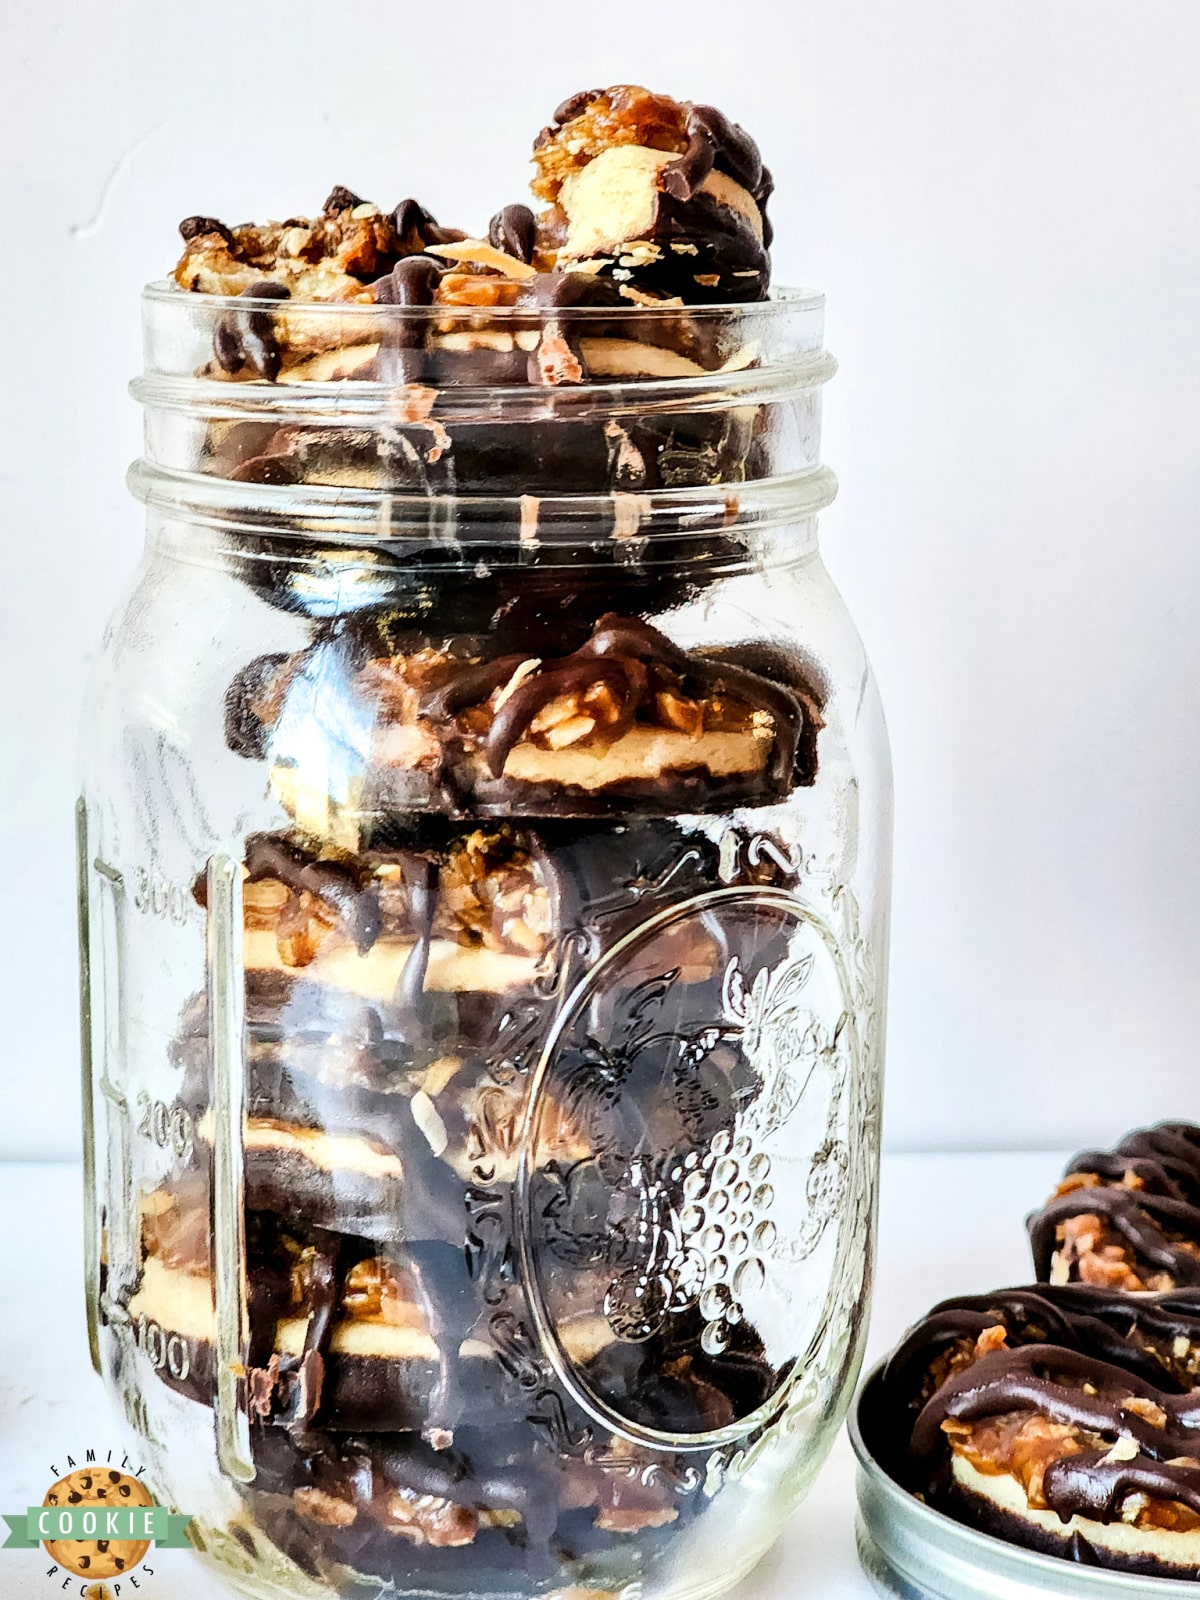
(950,1224)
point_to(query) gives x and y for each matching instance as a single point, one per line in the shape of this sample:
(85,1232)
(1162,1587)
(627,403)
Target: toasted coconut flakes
(529,519)
(482,254)
(477,339)
(993,1338)
(1076,1181)
(425,1115)
(641,298)
(514,683)
(741,358)
(592,267)
(412,402)
(1148,1410)
(640,253)
(441,440)
(627,516)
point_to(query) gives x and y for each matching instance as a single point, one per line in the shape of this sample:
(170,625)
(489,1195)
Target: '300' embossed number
(156,896)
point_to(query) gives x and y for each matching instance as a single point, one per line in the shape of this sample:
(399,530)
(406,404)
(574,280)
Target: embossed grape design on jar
(484,852)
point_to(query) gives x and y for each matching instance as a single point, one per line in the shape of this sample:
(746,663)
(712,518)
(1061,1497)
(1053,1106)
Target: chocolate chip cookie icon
(97,1487)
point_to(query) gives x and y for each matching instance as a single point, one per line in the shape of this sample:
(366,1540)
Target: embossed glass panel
(702,1064)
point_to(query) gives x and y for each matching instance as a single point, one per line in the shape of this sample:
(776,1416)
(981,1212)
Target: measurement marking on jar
(157,896)
(111,873)
(163,1349)
(114,1313)
(112,1094)
(170,1127)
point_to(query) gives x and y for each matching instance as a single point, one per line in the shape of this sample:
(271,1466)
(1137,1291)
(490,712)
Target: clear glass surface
(485,854)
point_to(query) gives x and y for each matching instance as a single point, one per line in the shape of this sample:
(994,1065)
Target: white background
(1002,202)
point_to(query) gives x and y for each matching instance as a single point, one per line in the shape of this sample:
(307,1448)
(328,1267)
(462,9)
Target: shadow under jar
(485,851)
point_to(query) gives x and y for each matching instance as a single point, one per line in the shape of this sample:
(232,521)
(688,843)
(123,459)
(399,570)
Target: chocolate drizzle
(1090,1485)
(1165,1159)
(573,675)
(1050,1381)
(196,227)
(714,141)
(420,879)
(323,1286)
(468,687)
(346,892)
(340,198)
(1140,1220)
(1148,1195)
(567,110)
(247,338)
(1139,1334)
(636,663)
(411,282)
(416,229)
(514,229)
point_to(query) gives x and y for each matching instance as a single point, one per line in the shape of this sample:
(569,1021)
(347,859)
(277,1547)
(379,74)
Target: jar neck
(456,545)
(721,530)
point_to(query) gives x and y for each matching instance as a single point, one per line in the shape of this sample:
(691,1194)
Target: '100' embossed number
(169,1350)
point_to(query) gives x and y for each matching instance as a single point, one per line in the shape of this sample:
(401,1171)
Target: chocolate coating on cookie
(1164,1160)
(1081,1400)
(1127,1218)
(626,716)
(1157,1337)
(665,196)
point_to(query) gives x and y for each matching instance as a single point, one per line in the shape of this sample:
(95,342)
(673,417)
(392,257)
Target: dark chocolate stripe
(514,230)
(1026,1379)
(1166,1159)
(1087,1485)
(1131,1213)
(349,893)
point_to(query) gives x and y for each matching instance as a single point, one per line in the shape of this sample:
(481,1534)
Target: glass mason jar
(484,852)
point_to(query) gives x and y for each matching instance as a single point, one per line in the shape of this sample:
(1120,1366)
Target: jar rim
(753,352)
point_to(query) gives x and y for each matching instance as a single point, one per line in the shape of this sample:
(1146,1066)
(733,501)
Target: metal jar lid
(912,1552)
